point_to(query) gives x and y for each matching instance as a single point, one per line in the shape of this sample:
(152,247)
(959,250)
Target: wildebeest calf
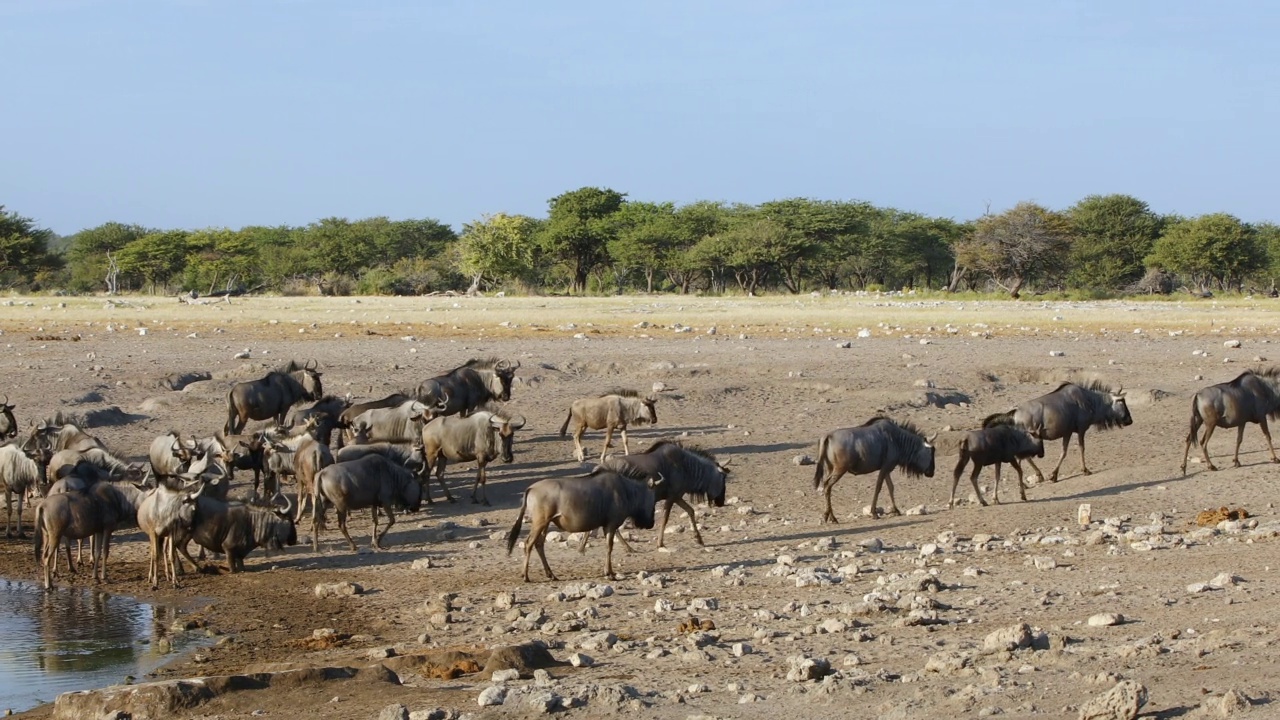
(998,442)
(611,411)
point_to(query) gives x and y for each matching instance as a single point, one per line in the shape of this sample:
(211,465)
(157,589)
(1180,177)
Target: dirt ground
(904,626)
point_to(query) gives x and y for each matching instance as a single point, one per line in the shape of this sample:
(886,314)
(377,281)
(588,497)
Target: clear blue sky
(191,113)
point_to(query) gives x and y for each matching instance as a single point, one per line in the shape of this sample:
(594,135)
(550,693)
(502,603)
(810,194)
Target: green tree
(1114,234)
(693,223)
(1268,236)
(337,245)
(756,245)
(91,253)
(220,255)
(24,249)
(1028,242)
(645,234)
(415,238)
(156,257)
(498,247)
(578,230)
(1215,249)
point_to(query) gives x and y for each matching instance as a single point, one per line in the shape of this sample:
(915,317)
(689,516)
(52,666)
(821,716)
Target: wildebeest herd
(381,455)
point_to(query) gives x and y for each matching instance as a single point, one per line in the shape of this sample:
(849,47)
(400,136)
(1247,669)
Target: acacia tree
(755,245)
(644,235)
(1024,243)
(498,247)
(1214,249)
(1113,236)
(156,257)
(89,253)
(24,248)
(578,230)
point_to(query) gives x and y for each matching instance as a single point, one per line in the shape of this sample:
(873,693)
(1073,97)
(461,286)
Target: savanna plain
(970,612)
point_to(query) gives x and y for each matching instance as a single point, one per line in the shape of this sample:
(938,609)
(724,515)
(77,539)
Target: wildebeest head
(922,460)
(409,496)
(311,380)
(506,429)
(286,534)
(651,404)
(718,499)
(1120,408)
(8,424)
(505,372)
(643,517)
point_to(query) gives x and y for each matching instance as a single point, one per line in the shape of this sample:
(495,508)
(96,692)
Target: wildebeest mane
(290,367)
(61,418)
(480,363)
(1096,386)
(497,412)
(623,392)
(908,439)
(997,419)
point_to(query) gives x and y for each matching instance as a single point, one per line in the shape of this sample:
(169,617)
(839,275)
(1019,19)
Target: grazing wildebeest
(57,436)
(399,424)
(998,442)
(108,465)
(372,482)
(8,423)
(602,499)
(468,387)
(272,396)
(1071,410)
(19,473)
(167,509)
(879,445)
(94,513)
(684,469)
(280,458)
(236,529)
(481,436)
(327,411)
(611,411)
(169,454)
(1250,398)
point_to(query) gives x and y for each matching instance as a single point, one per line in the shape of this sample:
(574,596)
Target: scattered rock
(1013,637)
(338,589)
(1231,344)
(394,712)
(801,460)
(492,695)
(1121,702)
(1057,353)
(1105,619)
(580,660)
(804,668)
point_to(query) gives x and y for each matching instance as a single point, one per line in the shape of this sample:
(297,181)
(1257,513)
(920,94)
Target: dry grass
(300,317)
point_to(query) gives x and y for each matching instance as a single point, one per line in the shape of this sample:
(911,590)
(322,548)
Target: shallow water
(75,638)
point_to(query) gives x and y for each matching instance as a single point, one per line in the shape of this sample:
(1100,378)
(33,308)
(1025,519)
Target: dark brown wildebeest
(94,513)
(236,529)
(8,423)
(165,510)
(481,436)
(684,470)
(19,473)
(246,452)
(328,412)
(1252,397)
(612,411)
(998,442)
(468,387)
(372,482)
(602,499)
(879,445)
(272,396)
(1069,410)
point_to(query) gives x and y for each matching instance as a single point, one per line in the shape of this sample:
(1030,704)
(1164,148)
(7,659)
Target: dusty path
(907,633)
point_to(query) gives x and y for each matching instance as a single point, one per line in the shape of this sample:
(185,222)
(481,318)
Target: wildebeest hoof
(1236,463)
(1211,466)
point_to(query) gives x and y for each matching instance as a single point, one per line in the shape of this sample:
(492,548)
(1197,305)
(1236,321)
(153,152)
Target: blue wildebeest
(602,499)
(169,454)
(165,510)
(236,529)
(327,411)
(272,396)
(998,442)
(466,388)
(8,424)
(372,482)
(611,411)
(108,466)
(1252,397)
(683,470)
(19,473)
(406,455)
(1071,410)
(879,445)
(348,416)
(57,435)
(93,513)
(398,424)
(481,436)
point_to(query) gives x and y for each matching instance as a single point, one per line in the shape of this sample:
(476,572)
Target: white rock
(501,676)
(580,660)
(833,626)
(739,649)
(1231,344)
(929,549)
(874,544)
(1044,562)
(1224,580)
(1057,353)
(1009,638)
(1121,702)
(1105,619)
(492,695)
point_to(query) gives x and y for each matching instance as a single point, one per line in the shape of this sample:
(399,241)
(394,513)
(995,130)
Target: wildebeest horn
(311,365)
(287,511)
(517,367)
(655,483)
(931,438)
(443,403)
(517,422)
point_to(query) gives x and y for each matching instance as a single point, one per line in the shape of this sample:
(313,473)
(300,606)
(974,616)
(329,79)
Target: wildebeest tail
(1004,418)
(39,532)
(1197,419)
(821,464)
(565,427)
(231,413)
(515,529)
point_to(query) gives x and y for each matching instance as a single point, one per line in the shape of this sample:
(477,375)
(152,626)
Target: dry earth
(918,616)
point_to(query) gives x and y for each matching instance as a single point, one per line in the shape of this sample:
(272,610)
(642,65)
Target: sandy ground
(905,627)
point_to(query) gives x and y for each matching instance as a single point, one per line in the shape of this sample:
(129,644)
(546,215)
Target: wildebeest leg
(964,460)
(1083,467)
(582,547)
(579,452)
(537,536)
(1265,431)
(316,519)
(608,555)
(893,504)
(1036,468)
(693,519)
(666,513)
(973,480)
(626,450)
(1235,459)
(1022,487)
(153,567)
(375,539)
(342,525)
(608,441)
(105,552)
(1191,436)
(482,478)
(391,520)
(832,479)
(875,495)
(1066,442)
(1204,444)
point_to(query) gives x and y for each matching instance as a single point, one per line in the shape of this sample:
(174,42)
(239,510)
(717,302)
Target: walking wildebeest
(1251,398)
(998,442)
(399,424)
(94,513)
(272,396)
(878,445)
(613,410)
(236,529)
(602,499)
(167,509)
(1071,410)
(481,436)
(372,482)
(466,388)
(19,473)
(8,423)
(684,470)
(170,455)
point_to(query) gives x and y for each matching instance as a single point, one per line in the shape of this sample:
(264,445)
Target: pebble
(581,660)
(801,460)
(502,676)
(338,589)
(492,695)
(1106,619)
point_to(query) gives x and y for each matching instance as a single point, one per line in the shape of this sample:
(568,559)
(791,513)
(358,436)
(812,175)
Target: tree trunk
(648,279)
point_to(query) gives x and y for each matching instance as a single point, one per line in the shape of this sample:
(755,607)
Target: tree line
(596,240)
